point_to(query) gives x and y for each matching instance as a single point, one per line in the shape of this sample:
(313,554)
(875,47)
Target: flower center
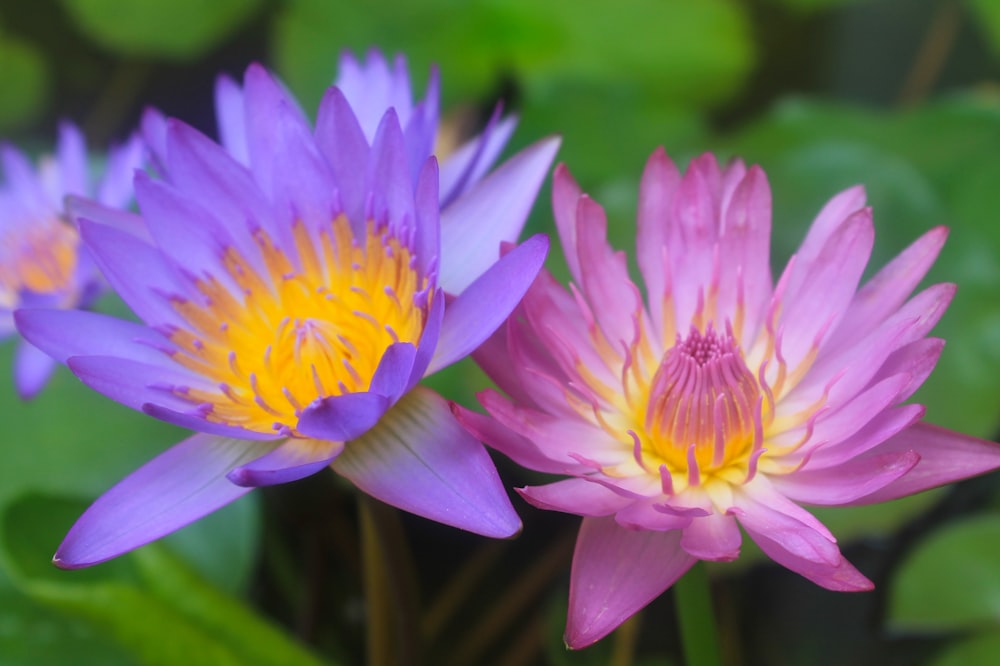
(38,258)
(283,338)
(703,414)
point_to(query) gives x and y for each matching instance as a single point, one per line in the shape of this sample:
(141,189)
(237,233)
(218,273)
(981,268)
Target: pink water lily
(42,262)
(721,400)
(290,295)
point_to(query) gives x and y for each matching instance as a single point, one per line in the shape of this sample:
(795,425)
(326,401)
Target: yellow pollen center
(296,333)
(702,417)
(40,259)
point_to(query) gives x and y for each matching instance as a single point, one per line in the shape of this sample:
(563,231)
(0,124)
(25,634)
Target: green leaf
(951,581)
(171,29)
(149,602)
(981,650)
(23,81)
(31,634)
(987,20)
(690,54)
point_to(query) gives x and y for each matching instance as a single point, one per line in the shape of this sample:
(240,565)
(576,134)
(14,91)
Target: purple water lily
(42,263)
(291,286)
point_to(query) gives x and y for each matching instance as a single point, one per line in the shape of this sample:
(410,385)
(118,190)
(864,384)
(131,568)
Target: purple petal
(487,302)
(81,207)
(616,572)
(65,333)
(295,459)
(945,456)
(470,162)
(341,140)
(154,135)
(32,369)
(72,157)
(429,337)
(177,487)
(389,178)
(194,418)
(230,117)
(392,377)
(341,418)
(419,459)
(137,271)
(136,383)
(490,213)
(115,190)
(427,241)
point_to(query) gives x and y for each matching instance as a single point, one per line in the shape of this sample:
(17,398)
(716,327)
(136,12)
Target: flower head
(42,263)
(291,301)
(722,400)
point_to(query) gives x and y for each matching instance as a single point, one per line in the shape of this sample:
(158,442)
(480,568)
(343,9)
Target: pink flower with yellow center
(722,400)
(42,263)
(291,302)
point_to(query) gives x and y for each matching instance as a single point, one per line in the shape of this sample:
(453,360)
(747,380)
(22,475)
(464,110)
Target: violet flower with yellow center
(290,304)
(42,263)
(722,400)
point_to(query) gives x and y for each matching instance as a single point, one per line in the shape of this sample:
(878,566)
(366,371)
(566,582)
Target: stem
(390,594)
(699,638)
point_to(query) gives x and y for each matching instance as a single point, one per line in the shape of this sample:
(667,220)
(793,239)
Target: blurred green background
(900,95)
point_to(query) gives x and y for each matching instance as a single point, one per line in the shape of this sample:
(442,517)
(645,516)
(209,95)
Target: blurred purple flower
(41,262)
(724,400)
(291,297)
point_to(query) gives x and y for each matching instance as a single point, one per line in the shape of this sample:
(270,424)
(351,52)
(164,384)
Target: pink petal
(479,310)
(715,537)
(658,186)
(519,449)
(843,484)
(648,514)
(612,296)
(819,290)
(832,215)
(576,496)
(616,572)
(945,456)
(565,197)
(177,487)
(419,459)
(489,213)
(795,539)
(295,459)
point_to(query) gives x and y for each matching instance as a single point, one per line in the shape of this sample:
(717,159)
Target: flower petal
(576,496)
(295,459)
(419,459)
(392,376)
(945,456)
(230,118)
(177,487)
(343,144)
(795,539)
(616,572)
(491,212)
(341,418)
(32,369)
(843,484)
(65,333)
(519,449)
(487,302)
(469,163)
(715,537)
